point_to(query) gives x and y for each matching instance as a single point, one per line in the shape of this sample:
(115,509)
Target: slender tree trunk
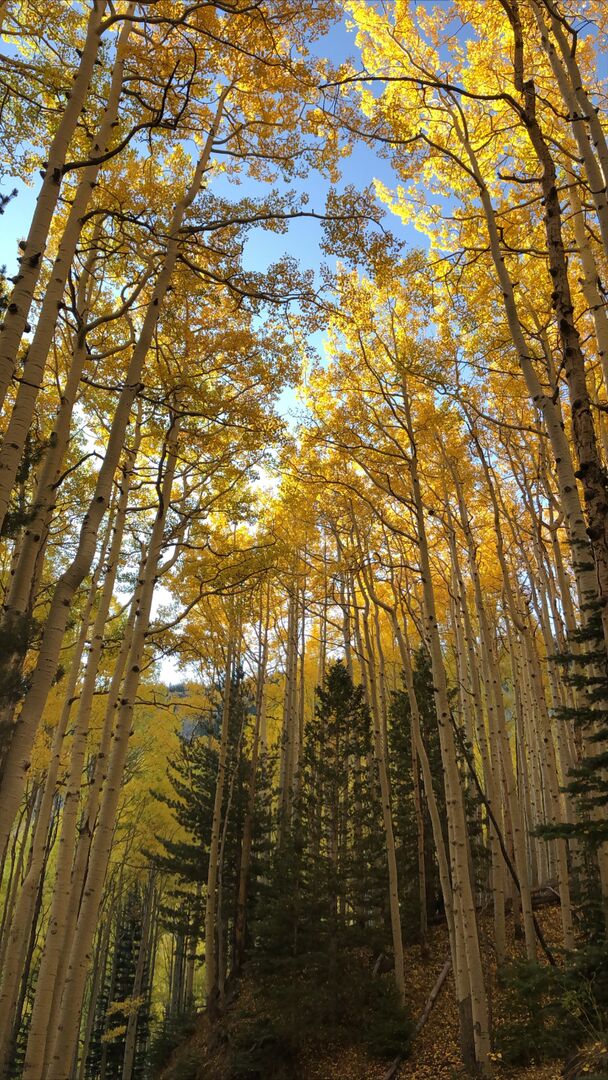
(18,763)
(462,886)
(586,579)
(16,942)
(62,1046)
(211,965)
(15,437)
(381,766)
(240,930)
(30,262)
(56,943)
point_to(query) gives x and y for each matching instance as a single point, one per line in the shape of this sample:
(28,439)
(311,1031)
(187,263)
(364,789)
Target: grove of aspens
(303,539)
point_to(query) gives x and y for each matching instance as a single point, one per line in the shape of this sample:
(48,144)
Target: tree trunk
(15,437)
(211,962)
(30,262)
(18,763)
(63,1045)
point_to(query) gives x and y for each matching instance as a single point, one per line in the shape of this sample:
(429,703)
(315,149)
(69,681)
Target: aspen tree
(211,900)
(248,826)
(568,490)
(289,737)
(17,764)
(590,280)
(488,747)
(62,1045)
(380,759)
(547,736)
(15,436)
(30,261)
(419,755)
(461,881)
(583,114)
(29,562)
(56,944)
(580,111)
(99,775)
(15,942)
(498,725)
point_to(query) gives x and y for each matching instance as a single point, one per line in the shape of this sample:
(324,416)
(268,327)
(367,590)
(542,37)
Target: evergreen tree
(323,915)
(107,1048)
(585,668)
(400,761)
(184,861)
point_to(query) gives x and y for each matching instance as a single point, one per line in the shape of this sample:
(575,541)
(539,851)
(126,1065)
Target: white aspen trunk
(524,780)
(56,943)
(17,859)
(240,927)
(34,536)
(62,1047)
(554,805)
(461,881)
(498,723)
(100,769)
(531,726)
(289,735)
(138,982)
(11,853)
(11,961)
(427,779)
(589,283)
(323,621)
(579,114)
(381,682)
(423,926)
(27,564)
(20,422)
(488,746)
(465,690)
(18,763)
(584,436)
(586,579)
(220,922)
(211,958)
(586,107)
(301,695)
(345,609)
(30,262)
(380,756)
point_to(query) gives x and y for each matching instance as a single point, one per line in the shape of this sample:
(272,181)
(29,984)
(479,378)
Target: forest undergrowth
(434,1054)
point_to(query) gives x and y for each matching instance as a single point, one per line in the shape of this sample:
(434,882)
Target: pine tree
(400,758)
(107,1048)
(324,909)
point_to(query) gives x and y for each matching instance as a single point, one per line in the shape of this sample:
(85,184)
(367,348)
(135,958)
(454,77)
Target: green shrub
(549,1012)
(166,1039)
(294,1012)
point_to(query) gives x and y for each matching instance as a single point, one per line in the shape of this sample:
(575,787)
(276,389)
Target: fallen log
(428,1008)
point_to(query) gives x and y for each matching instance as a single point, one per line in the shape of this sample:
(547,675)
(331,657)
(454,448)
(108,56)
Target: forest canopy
(303,539)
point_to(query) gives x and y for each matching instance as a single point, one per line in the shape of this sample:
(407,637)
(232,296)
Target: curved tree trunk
(30,262)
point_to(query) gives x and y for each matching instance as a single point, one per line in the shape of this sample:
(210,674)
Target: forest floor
(434,1054)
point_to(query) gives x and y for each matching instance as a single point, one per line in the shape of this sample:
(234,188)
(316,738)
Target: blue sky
(302,240)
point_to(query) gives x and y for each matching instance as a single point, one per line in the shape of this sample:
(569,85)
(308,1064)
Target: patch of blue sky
(302,238)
